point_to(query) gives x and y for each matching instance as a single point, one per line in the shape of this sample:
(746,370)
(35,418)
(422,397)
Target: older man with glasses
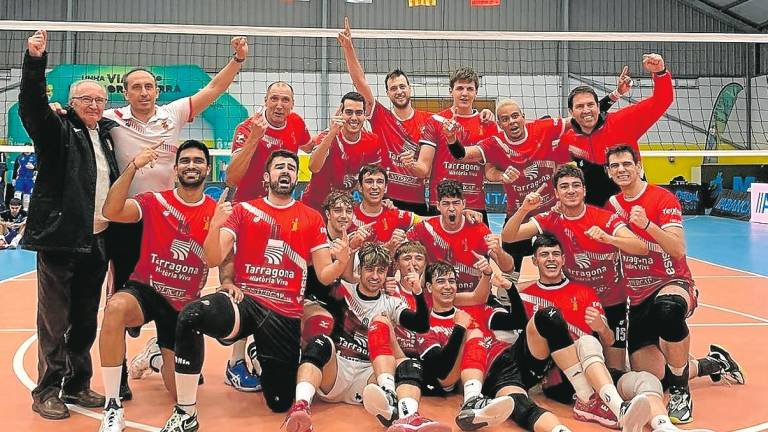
(65,226)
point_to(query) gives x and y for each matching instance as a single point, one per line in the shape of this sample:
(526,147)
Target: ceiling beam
(732,4)
(714,12)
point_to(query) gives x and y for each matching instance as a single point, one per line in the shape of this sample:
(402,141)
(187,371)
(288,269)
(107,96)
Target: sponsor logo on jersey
(582,260)
(274,251)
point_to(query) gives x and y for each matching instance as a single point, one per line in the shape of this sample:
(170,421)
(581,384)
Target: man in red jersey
(462,123)
(342,150)
(449,237)
(662,292)
(374,222)
(170,272)
(399,128)
(277,127)
(592,238)
(593,133)
(278,237)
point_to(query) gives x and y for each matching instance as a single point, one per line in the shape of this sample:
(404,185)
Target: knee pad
(669,311)
(590,351)
(213,315)
(317,325)
(551,325)
(409,371)
(318,351)
(379,340)
(633,383)
(526,412)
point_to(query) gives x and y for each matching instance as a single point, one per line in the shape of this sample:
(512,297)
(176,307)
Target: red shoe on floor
(596,411)
(299,417)
(415,422)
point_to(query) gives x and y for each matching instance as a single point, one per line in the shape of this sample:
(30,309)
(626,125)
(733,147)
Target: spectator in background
(12,223)
(24,173)
(2,180)
(66,228)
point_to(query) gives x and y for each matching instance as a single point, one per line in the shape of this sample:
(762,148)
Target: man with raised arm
(398,128)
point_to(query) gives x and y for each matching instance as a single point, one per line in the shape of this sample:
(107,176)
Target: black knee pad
(410,371)
(526,412)
(552,326)
(278,383)
(213,315)
(318,351)
(669,311)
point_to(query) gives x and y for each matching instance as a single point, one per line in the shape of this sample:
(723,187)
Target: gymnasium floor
(728,259)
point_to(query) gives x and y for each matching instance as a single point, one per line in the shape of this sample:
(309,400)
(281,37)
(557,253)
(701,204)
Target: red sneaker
(299,417)
(415,422)
(595,410)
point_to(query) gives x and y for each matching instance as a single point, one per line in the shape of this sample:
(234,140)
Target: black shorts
(516,366)
(522,248)
(277,337)
(616,316)
(123,248)
(420,208)
(155,308)
(642,328)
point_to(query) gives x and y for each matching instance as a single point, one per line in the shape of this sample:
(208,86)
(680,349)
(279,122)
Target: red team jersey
(398,136)
(384,223)
(647,274)
(171,258)
(444,166)
(454,247)
(571,298)
(276,245)
(341,166)
(537,156)
(291,136)
(588,261)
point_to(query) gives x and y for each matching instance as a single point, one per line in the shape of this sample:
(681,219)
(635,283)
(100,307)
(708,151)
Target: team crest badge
(295,225)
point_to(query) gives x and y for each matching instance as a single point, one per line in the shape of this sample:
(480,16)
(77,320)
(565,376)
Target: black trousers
(68,294)
(123,248)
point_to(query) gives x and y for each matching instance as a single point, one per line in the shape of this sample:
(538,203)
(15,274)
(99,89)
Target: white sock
(156,362)
(386,381)
(611,397)
(561,428)
(677,370)
(472,388)
(305,391)
(111,377)
(578,380)
(186,391)
(662,421)
(238,352)
(407,406)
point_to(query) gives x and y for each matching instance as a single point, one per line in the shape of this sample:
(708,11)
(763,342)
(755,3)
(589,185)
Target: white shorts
(351,378)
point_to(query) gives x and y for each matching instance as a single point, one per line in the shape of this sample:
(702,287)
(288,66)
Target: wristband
(647,225)
(238,60)
(488,274)
(457,150)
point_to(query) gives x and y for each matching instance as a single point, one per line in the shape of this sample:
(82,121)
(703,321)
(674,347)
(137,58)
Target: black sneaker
(731,370)
(680,405)
(480,411)
(180,421)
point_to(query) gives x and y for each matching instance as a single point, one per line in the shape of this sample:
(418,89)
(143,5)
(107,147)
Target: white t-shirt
(133,136)
(100,223)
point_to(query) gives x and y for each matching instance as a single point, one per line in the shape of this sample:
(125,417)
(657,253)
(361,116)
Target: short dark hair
(136,69)
(567,170)
(280,153)
(621,148)
(465,73)
(580,90)
(15,202)
(279,83)
(449,188)
(438,268)
(337,196)
(371,169)
(394,74)
(546,240)
(188,144)
(353,96)
(408,247)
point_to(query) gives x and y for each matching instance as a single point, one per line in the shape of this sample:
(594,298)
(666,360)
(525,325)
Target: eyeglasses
(100,101)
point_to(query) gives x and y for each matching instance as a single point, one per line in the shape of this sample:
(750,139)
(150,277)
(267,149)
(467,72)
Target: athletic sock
(305,391)
(407,406)
(386,381)
(186,391)
(662,421)
(677,377)
(578,380)
(611,397)
(472,388)
(111,377)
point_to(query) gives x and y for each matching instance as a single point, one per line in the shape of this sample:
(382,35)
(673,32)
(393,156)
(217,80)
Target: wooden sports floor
(733,312)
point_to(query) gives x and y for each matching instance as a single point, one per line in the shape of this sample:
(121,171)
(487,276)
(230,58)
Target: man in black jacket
(65,226)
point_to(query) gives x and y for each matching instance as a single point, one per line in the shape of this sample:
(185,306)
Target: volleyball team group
(401,294)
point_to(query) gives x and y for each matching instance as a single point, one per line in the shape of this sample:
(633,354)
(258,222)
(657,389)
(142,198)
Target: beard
(191,184)
(281,189)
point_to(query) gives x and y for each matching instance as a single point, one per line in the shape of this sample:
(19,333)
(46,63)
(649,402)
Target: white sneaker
(114,418)
(139,367)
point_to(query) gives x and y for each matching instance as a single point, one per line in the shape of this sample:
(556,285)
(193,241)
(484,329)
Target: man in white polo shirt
(144,124)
